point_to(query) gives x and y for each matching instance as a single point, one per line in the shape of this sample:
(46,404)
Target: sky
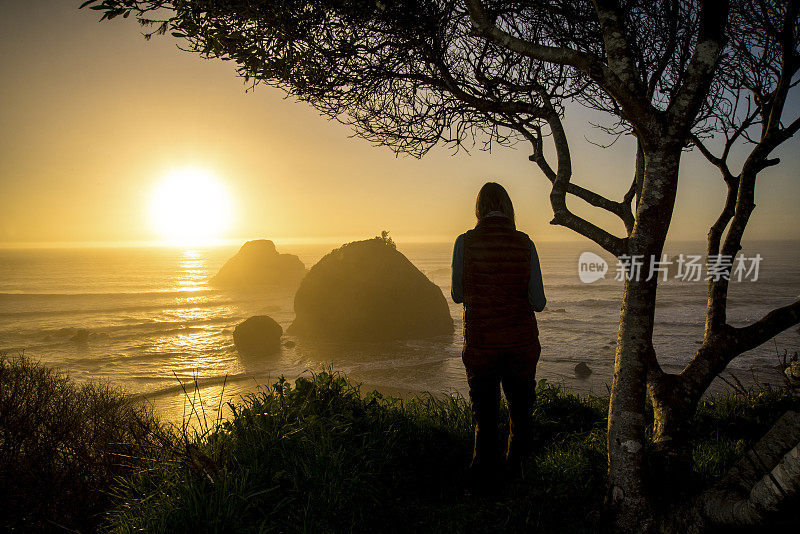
(94,118)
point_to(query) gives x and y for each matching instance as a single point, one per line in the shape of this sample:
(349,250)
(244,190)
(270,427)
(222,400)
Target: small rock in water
(259,334)
(582,370)
(289,344)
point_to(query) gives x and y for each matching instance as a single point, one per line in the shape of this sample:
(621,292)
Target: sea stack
(259,334)
(258,264)
(368,290)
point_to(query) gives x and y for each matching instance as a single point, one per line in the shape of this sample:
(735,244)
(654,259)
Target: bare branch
(562,216)
(552,54)
(699,72)
(637,110)
(618,49)
(766,328)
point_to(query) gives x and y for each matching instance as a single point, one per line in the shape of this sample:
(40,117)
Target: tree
(409,74)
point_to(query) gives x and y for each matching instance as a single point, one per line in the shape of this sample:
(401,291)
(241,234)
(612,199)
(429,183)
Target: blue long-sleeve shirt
(535,287)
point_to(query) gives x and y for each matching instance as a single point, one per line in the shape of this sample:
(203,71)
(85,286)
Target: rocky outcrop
(259,334)
(258,263)
(368,290)
(582,370)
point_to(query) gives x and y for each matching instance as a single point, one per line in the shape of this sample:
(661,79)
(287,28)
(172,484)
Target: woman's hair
(493,197)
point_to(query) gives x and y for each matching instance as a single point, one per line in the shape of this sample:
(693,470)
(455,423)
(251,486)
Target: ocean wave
(115,358)
(558,322)
(116,309)
(143,330)
(189,384)
(169,330)
(587,303)
(156,293)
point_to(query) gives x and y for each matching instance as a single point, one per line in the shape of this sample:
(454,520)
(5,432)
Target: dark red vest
(497,269)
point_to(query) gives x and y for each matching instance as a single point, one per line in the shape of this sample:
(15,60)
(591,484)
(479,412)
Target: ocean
(147,320)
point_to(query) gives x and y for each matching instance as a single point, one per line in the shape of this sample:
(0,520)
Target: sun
(190,207)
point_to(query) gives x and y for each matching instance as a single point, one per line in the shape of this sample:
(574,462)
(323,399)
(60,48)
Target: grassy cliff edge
(323,456)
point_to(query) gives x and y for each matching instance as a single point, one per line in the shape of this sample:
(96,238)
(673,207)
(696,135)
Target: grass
(725,426)
(322,455)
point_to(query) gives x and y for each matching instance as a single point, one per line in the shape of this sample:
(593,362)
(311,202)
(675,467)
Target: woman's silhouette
(496,275)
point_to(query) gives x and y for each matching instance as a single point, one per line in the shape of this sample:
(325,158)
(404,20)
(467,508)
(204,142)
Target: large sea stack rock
(259,334)
(367,290)
(258,264)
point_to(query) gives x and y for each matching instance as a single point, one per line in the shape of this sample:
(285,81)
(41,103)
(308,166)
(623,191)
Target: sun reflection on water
(192,272)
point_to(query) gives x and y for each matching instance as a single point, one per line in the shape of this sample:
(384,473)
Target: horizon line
(283,241)
(226,242)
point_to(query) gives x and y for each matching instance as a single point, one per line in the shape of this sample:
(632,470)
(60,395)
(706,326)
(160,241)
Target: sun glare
(190,207)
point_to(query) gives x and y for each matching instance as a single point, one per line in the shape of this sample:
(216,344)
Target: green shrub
(62,444)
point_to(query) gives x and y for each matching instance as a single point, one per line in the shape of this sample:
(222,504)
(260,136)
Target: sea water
(147,320)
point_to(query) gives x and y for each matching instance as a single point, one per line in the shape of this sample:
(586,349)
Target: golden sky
(94,117)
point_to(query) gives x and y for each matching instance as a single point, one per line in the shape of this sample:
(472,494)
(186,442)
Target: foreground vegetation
(62,445)
(320,456)
(316,456)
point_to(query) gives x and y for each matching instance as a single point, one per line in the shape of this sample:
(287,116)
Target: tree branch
(693,92)
(562,216)
(716,306)
(722,342)
(618,50)
(637,109)
(790,65)
(727,343)
(620,209)
(486,27)
(763,481)
(766,328)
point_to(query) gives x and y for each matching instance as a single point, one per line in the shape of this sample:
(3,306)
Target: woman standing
(496,275)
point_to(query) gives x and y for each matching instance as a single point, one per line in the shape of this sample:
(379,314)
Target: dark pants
(487,369)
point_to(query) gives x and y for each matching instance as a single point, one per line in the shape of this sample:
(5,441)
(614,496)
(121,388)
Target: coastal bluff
(368,290)
(258,264)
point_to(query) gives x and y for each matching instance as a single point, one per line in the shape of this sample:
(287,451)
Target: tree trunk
(628,496)
(673,409)
(675,399)
(762,483)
